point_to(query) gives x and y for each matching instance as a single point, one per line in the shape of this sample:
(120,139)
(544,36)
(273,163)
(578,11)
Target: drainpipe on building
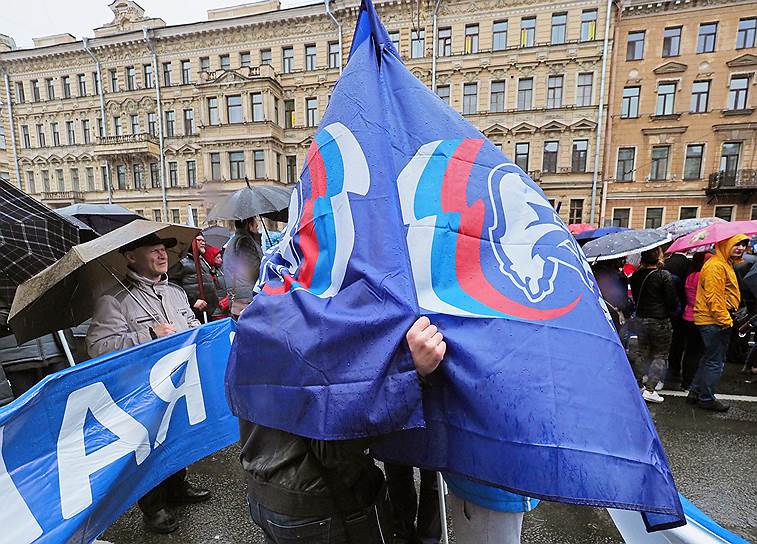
(434,47)
(600,111)
(607,153)
(339,29)
(12,127)
(156,82)
(101,92)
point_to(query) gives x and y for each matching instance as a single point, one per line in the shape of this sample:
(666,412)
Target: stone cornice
(641,8)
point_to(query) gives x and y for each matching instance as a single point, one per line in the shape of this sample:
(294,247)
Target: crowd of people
(678,315)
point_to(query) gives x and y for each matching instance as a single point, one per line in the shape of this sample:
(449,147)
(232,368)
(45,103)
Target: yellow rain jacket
(718,290)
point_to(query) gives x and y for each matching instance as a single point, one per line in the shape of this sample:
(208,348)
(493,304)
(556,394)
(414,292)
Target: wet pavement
(713,457)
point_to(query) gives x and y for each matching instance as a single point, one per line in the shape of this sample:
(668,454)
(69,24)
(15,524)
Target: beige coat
(120,322)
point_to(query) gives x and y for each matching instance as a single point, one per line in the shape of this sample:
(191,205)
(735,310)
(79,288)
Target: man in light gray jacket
(147,309)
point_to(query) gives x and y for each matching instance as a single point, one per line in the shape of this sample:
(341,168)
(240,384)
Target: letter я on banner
(404,209)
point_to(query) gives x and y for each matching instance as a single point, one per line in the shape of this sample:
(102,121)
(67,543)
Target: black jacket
(184,275)
(285,472)
(657,299)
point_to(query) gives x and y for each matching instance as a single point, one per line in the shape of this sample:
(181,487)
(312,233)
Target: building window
(289,119)
(659,166)
(35,90)
(154,175)
(737,92)
(310,57)
(499,35)
(234,109)
(134,124)
(86,134)
(50,88)
(245,60)
(191,174)
(55,132)
(554,91)
(204,64)
(700,96)
(70,133)
(259,163)
(213,118)
(753,215)
(666,99)
(225,62)
(334,55)
(588,25)
(729,157)
(671,42)
(311,111)
(186,72)
(470,98)
(25,136)
(121,177)
(692,168)
(635,46)
(46,181)
(471,39)
(147,75)
(444,42)
(215,166)
(287,60)
(20,95)
(166,74)
(257,107)
(443,92)
(173,174)
(497,103)
(30,185)
(189,122)
(745,38)
(152,122)
(527,31)
(653,219)
(139,175)
(521,155)
(585,89)
(559,23)
(626,159)
(90,174)
(113,81)
(266,57)
(236,165)
(417,44)
(156,215)
(81,80)
(576,211)
(525,93)
(61,182)
(131,78)
(394,36)
(724,212)
(688,212)
(41,136)
(277,161)
(291,168)
(706,39)
(104,178)
(175,216)
(579,155)
(170,123)
(549,160)
(66,87)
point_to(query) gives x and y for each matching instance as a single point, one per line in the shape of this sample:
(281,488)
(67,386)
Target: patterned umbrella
(598,233)
(682,227)
(621,244)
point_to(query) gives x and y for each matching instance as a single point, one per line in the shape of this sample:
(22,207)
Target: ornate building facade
(156,117)
(682,140)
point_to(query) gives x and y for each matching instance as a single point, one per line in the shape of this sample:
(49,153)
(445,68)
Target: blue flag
(404,209)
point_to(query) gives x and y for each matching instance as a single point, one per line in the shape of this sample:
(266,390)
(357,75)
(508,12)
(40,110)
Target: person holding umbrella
(194,274)
(241,263)
(144,308)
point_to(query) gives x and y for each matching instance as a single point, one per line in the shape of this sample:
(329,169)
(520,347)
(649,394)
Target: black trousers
(694,348)
(158,496)
(407,505)
(677,347)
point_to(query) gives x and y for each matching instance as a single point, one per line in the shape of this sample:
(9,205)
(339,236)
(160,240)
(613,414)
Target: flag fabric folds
(404,209)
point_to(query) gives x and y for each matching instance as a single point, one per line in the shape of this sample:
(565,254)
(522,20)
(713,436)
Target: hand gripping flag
(404,209)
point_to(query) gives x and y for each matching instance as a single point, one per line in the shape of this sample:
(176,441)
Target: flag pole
(66,348)
(442,491)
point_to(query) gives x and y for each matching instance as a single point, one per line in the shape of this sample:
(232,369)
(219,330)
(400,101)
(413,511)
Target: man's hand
(163,329)
(427,345)
(200,305)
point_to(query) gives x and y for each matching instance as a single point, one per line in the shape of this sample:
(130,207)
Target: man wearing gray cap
(147,307)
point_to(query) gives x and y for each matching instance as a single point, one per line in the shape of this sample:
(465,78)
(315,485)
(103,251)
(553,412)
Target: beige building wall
(660,191)
(72,166)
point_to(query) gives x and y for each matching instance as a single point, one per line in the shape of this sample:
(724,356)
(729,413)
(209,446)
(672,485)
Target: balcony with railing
(127,145)
(734,181)
(62,197)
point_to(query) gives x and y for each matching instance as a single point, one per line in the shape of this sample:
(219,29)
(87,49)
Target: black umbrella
(216,236)
(101,217)
(32,237)
(621,244)
(251,201)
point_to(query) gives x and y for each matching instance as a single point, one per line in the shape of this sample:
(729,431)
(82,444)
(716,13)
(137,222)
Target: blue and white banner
(83,445)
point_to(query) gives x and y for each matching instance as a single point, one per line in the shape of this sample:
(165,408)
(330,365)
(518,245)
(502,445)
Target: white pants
(477,525)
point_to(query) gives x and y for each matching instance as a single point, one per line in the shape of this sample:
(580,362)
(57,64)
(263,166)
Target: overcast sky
(26,19)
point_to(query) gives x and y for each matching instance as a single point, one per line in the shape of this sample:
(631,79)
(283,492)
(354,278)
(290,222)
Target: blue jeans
(715,339)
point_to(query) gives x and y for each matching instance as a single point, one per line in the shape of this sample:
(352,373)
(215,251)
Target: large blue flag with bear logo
(404,209)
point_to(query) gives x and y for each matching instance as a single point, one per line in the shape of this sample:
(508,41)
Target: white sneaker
(659,386)
(654,396)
